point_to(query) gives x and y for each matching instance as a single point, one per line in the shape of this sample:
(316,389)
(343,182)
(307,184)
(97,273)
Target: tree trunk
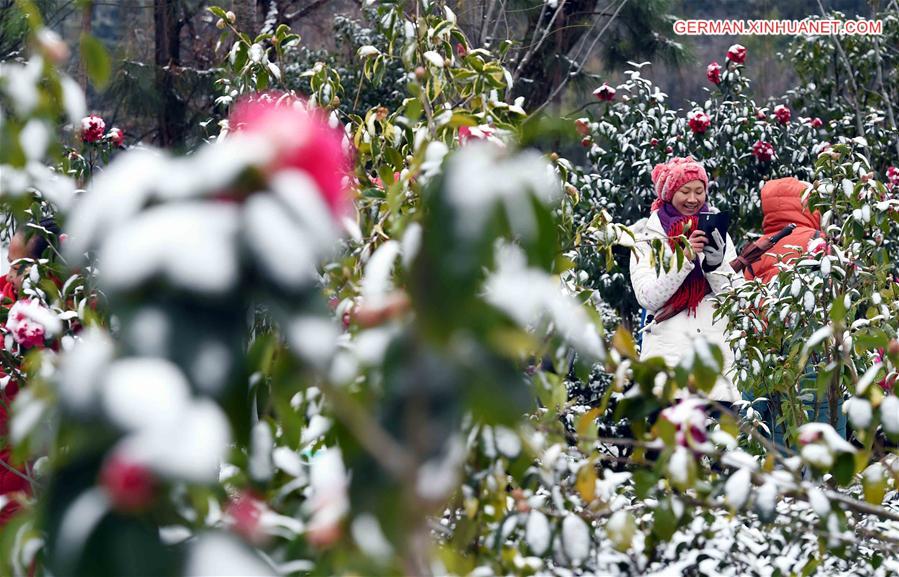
(87,18)
(170,117)
(245,10)
(545,67)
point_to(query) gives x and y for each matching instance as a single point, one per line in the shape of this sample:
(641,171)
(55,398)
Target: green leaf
(96,61)
(844,469)
(220,12)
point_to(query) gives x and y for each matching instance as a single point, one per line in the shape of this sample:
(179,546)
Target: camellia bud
(231,17)
(554,156)
(587,142)
(420,72)
(893,348)
(220,24)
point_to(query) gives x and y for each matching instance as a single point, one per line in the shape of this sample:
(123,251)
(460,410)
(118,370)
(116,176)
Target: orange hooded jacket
(781,205)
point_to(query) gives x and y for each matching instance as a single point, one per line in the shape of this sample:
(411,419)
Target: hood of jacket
(782,204)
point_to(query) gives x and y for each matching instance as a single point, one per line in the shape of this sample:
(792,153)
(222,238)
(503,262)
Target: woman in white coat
(681,187)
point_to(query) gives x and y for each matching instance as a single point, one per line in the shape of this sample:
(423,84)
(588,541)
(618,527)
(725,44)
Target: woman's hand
(698,240)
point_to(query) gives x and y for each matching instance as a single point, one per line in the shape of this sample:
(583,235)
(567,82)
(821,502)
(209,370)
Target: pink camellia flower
(763,151)
(605,92)
(689,418)
(116,136)
(461,50)
(713,73)
(304,141)
(92,128)
(131,486)
(244,513)
(782,114)
(737,53)
(698,121)
(30,323)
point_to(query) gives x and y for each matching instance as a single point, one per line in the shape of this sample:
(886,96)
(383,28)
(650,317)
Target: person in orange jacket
(782,204)
(12,479)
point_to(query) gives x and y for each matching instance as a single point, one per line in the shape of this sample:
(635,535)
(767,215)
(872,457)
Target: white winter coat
(669,338)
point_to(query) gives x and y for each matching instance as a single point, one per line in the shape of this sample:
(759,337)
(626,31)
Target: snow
(313,338)
(766,498)
(817,455)
(576,539)
(317,426)
(507,442)
(288,460)
(537,533)
(81,370)
(73,100)
(737,489)
(368,535)
(278,244)
(79,521)
(328,481)
(211,366)
(859,411)
(438,477)
(411,243)
(529,294)
(376,278)
(261,467)
(191,244)
(139,393)
(34,139)
(679,466)
(27,412)
(481,176)
(217,554)
(889,414)
(191,447)
(621,529)
(301,196)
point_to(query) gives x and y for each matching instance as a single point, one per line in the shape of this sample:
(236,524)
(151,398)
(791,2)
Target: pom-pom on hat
(669,177)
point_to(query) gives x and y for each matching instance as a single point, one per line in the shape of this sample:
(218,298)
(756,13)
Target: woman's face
(18,248)
(689,198)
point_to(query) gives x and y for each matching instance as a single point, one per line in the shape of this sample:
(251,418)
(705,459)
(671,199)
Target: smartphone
(711,221)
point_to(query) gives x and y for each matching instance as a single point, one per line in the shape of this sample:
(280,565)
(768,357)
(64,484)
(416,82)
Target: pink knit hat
(669,177)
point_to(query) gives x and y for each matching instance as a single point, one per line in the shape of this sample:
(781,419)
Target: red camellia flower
(304,140)
(782,114)
(582,125)
(737,53)
(713,73)
(893,176)
(481,132)
(130,486)
(116,136)
(763,150)
(699,121)
(92,128)
(816,122)
(605,92)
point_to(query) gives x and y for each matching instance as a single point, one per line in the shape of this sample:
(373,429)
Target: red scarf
(695,286)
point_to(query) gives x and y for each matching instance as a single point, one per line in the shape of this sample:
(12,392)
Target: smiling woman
(680,300)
